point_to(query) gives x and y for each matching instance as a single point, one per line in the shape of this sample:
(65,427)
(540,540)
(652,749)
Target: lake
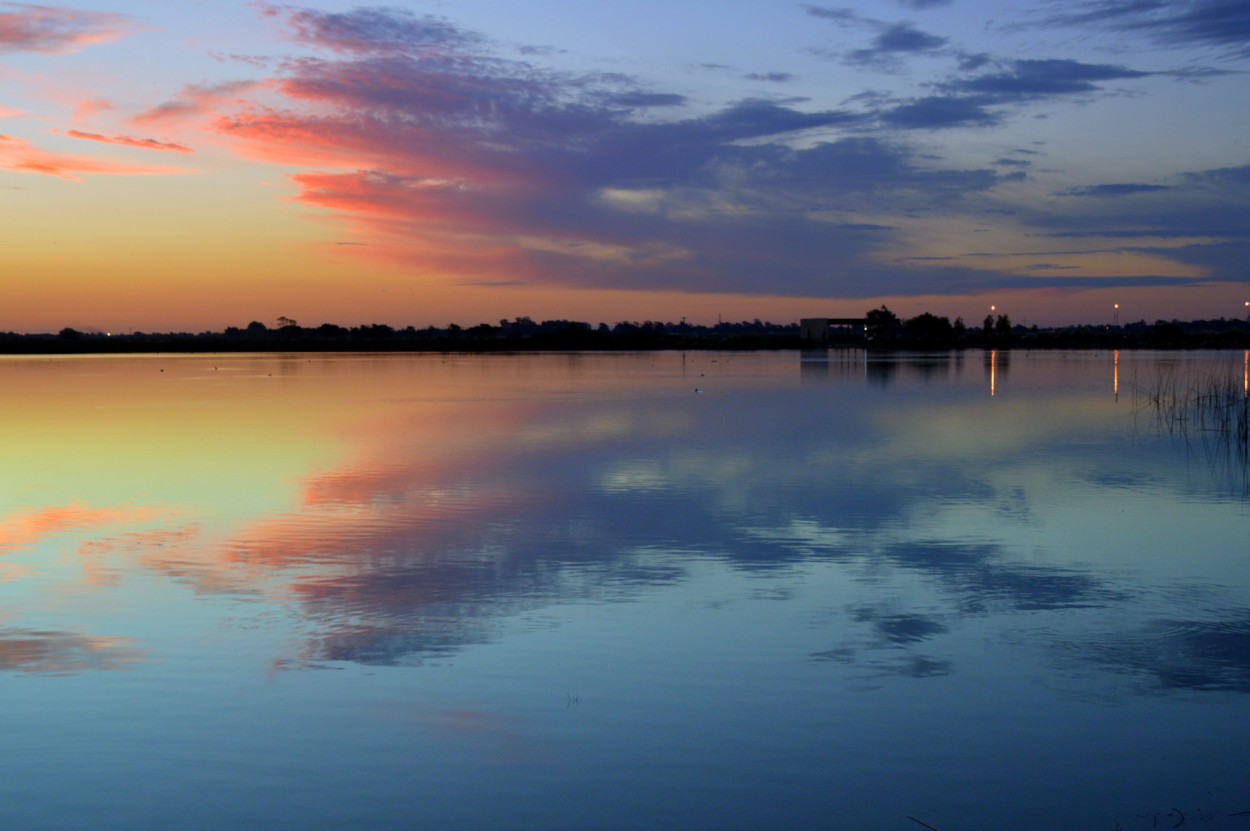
(621,591)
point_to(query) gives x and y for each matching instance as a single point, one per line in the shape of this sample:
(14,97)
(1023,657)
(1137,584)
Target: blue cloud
(1112,190)
(369,31)
(770,77)
(1023,79)
(903,37)
(1223,25)
(939,112)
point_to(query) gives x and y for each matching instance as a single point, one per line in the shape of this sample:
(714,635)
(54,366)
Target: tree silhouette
(1002,328)
(881,323)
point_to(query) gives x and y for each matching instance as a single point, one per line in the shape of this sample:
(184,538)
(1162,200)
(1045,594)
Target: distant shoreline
(884,332)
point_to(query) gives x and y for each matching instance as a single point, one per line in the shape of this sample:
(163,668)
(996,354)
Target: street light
(1116,319)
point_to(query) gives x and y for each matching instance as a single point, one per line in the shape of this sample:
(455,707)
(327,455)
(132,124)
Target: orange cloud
(127,141)
(21,157)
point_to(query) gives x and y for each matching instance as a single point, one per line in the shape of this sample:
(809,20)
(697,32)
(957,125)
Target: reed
(1213,406)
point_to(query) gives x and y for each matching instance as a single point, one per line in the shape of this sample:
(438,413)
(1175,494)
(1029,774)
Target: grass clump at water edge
(1213,407)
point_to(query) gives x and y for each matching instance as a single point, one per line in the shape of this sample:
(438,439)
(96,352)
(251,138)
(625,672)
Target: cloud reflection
(1181,653)
(27,527)
(415,550)
(62,653)
(449,517)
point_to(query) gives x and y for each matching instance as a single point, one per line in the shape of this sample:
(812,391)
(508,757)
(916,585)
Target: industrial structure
(814,331)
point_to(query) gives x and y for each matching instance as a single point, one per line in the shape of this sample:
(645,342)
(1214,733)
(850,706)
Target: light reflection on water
(618,591)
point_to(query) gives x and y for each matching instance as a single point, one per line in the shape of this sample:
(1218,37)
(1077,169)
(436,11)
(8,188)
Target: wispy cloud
(127,141)
(1194,223)
(1027,79)
(196,101)
(378,31)
(1221,25)
(891,42)
(19,156)
(770,77)
(1115,189)
(984,98)
(840,15)
(54,29)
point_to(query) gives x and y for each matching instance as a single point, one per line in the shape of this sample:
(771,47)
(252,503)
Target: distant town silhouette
(879,328)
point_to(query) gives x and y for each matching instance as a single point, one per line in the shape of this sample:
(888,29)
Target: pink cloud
(90,107)
(53,29)
(196,101)
(127,141)
(416,204)
(20,157)
(298,140)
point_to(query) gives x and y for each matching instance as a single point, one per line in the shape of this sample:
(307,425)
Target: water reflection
(442,518)
(1181,654)
(26,527)
(417,556)
(804,529)
(1115,375)
(62,653)
(886,368)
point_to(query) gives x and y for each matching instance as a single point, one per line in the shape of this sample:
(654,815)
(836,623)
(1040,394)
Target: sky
(189,166)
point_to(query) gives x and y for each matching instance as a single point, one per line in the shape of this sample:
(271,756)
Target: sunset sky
(196,165)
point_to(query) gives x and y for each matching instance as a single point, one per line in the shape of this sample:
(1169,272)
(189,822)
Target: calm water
(619,592)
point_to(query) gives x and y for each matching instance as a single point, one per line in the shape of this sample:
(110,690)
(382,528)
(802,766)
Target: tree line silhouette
(881,329)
